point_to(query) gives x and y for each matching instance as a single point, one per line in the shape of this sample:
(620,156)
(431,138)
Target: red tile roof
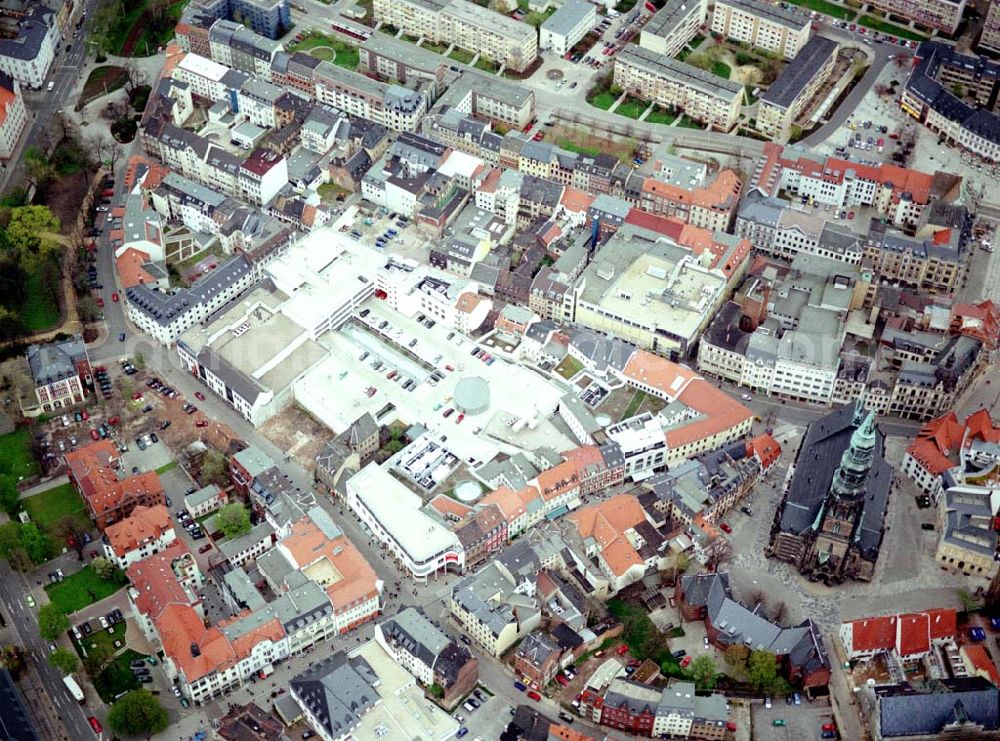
(766,448)
(937,445)
(608,523)
(143,525)
(909,634)
(129,266)
(155,583)
(913,636)
(873,634)
(980,662)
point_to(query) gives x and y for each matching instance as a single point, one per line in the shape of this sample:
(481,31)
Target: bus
(74,688)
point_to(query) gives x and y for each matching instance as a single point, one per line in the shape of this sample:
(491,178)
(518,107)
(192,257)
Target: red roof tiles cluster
(937,445)
(908,634)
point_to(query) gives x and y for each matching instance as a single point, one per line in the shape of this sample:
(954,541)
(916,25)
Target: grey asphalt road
(43,104)
(14,587)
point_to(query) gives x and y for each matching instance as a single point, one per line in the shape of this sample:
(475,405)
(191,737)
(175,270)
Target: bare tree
(134,76)
(779,613)
(719,551)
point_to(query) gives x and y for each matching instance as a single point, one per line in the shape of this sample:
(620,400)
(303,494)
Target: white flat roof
(405,711)
(321,272)
(460,163)
(203,67)
(398,510)
(335,390)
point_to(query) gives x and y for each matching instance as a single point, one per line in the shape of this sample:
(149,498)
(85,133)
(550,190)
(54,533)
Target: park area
(56,508)
(328,49)
(83,588)
(16,459)
(134,28)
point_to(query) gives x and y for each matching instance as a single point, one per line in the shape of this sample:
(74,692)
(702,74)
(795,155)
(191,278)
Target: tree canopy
(64,660)
(762,671)
(137,714)
(51,622)
(233,520)
(703,670)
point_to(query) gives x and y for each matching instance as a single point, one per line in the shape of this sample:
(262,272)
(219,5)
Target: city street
(14,586)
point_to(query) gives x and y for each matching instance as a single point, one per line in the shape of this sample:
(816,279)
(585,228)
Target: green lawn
(660,116)
(39,310)
(689,123)
(571,146)
(634,404)
(329,192)
(903,33)
(831,9)
(51,505)
(696,41)
(486,65)
(83,588)
(748,96)
(631,108)
(117,677)
(642,637)
(16,459)
(721,69)
(327,48)
(461,55)
(569,366)
(683,54)
(100,636)
(166,467)
(537,19)
(603,100)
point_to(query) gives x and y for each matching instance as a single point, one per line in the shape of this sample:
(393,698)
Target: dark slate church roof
(905,712)
(817,461)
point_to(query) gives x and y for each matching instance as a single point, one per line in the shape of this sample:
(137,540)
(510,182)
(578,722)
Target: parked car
(534,696)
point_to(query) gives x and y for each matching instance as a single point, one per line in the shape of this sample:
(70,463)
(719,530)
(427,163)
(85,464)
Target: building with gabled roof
(908,636)
(967,707)
(146,531)
(363,693)
(110,494)
(537,657)
(831,519)
(59,370)
(946,451)
(619,535)
(419,645)
(800,649)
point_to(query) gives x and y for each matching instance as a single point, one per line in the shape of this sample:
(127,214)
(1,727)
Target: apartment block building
(705,97)
(27,56)
(146,531)
(392,59)
(563,29)
(165,317)
(790,95)
(761,25)
(989,39)
(673,25)
(937,15)
(898,193)
(489,98)
(270,18)
(397,108)
(477,29)
(972,122)
(13,116)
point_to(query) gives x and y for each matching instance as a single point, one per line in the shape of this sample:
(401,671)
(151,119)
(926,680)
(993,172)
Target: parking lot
(802,722)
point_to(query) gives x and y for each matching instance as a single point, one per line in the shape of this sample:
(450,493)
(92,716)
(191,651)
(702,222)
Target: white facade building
(421,545)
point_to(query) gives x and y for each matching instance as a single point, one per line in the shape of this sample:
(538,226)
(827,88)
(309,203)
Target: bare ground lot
(298,434)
